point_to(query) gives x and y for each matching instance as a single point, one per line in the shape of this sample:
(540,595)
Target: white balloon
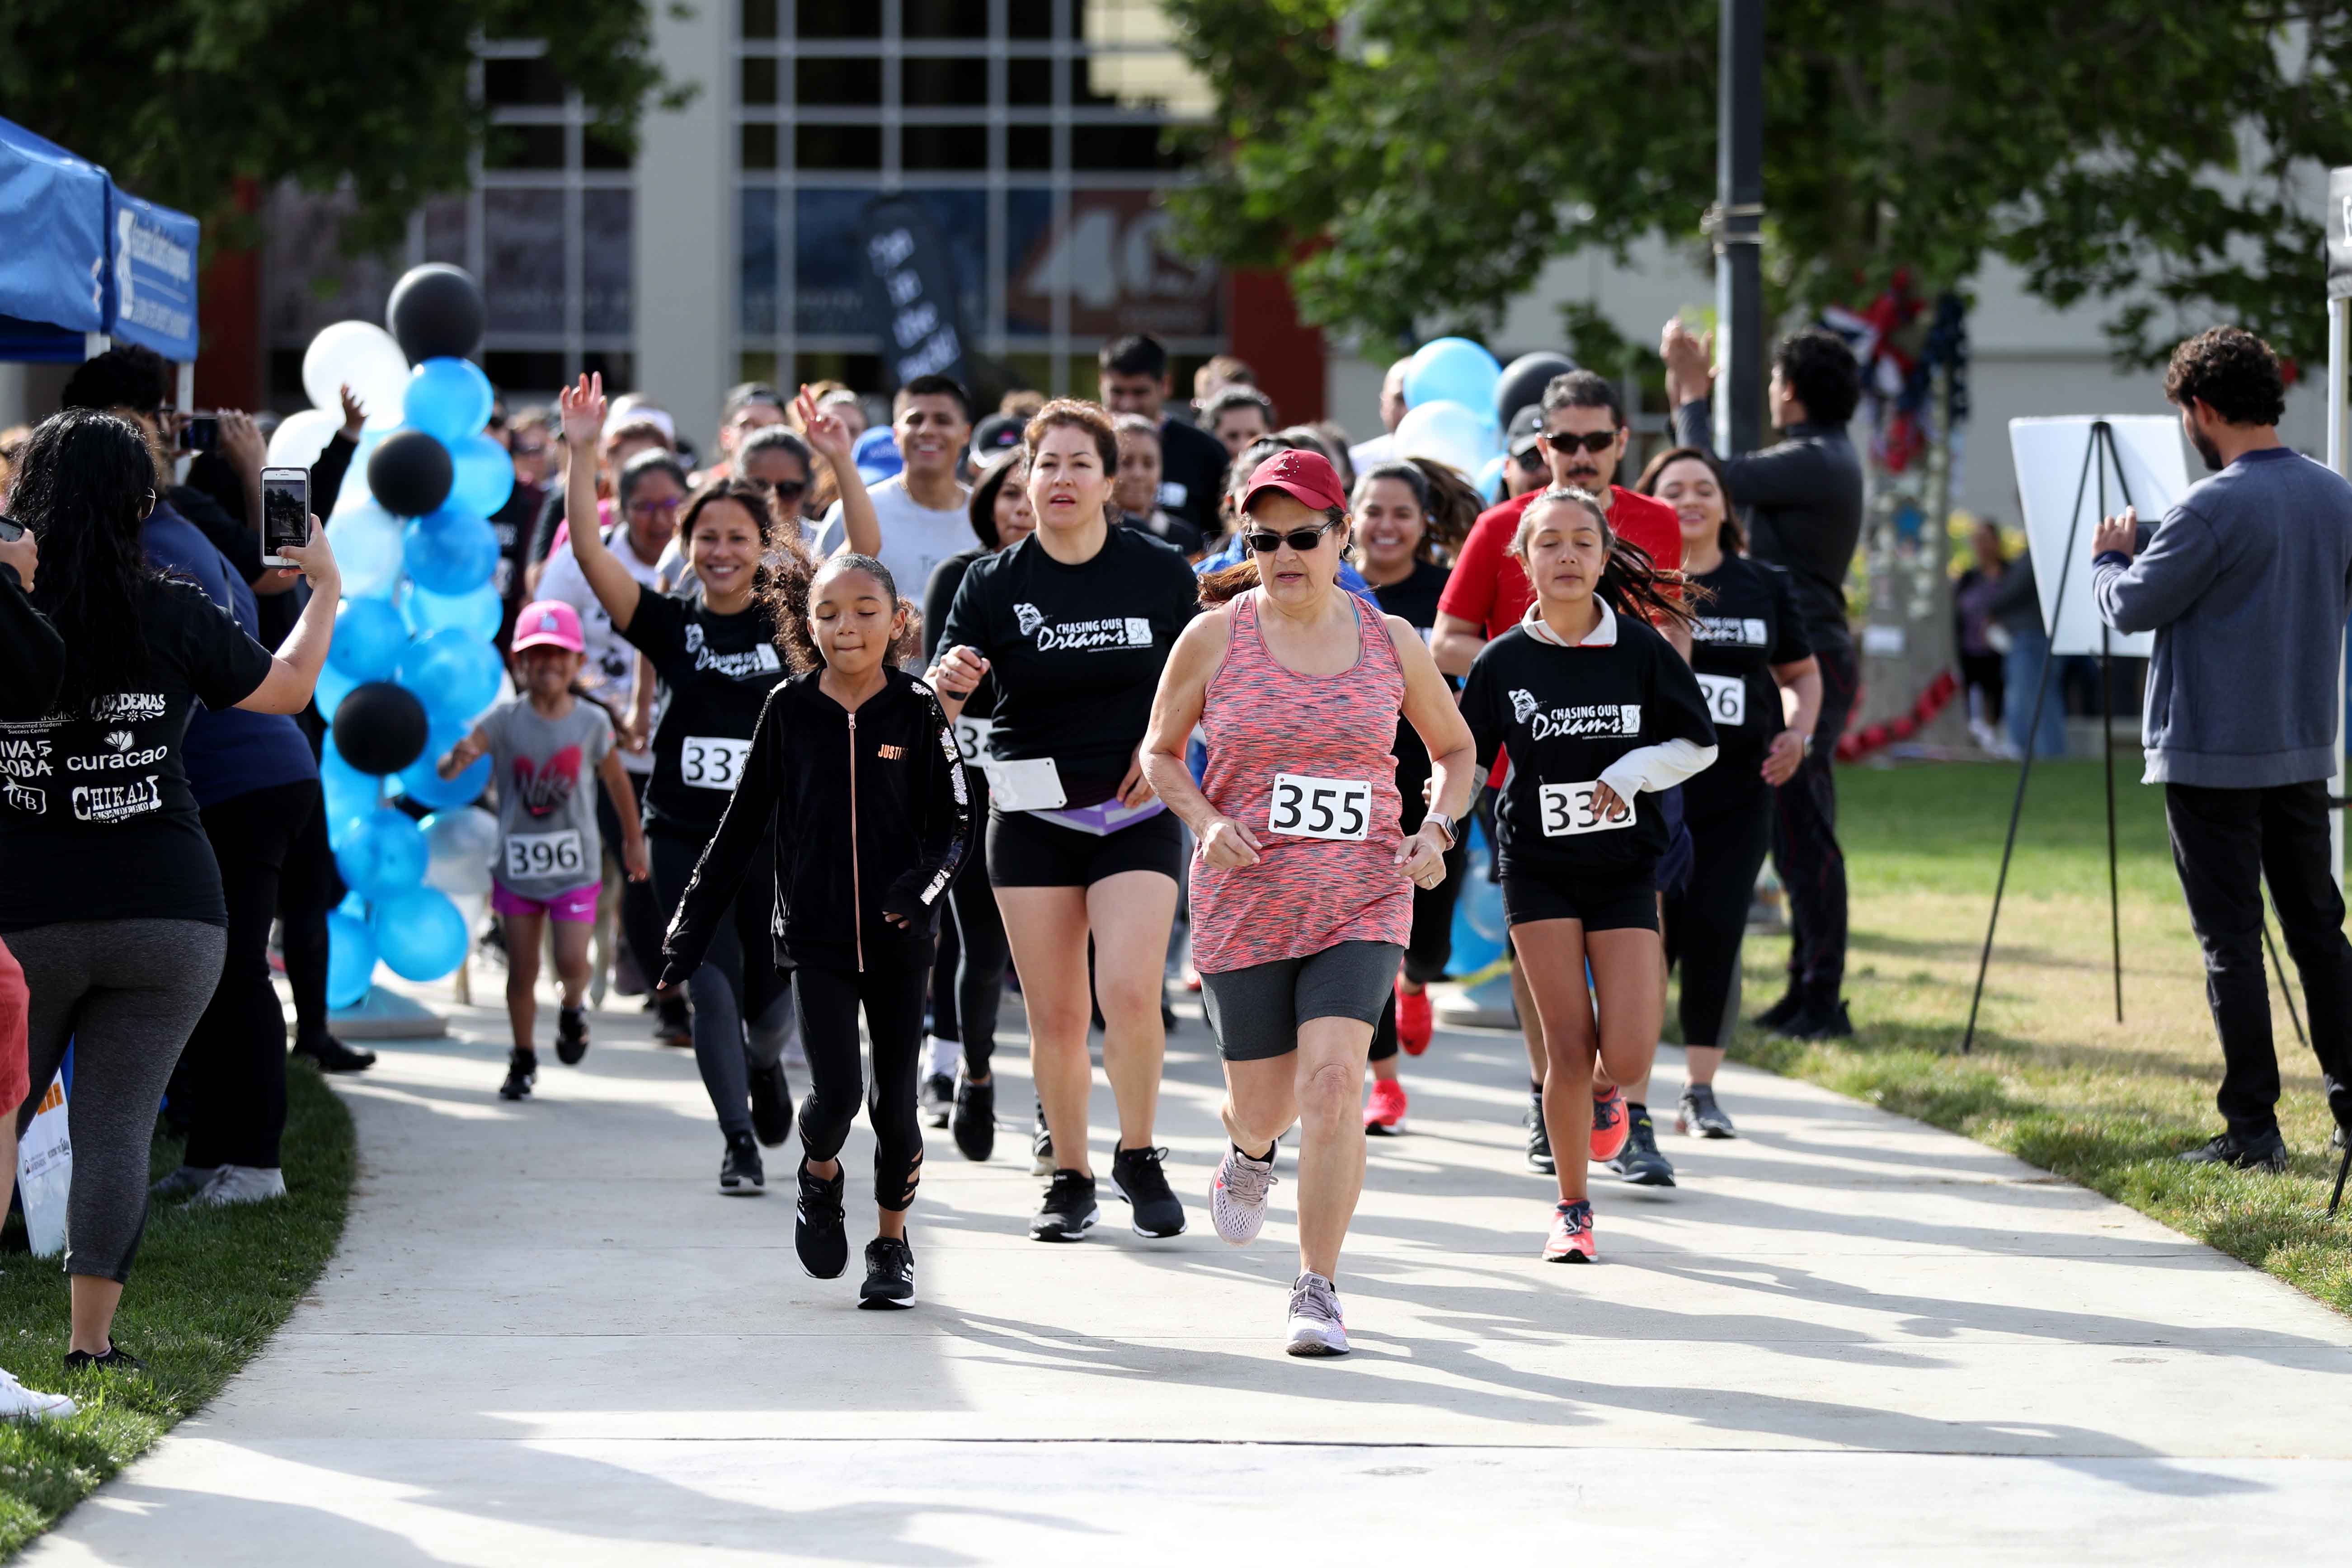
(459,845)
(364,357)
(300,437)
(369,543)
(1462,438)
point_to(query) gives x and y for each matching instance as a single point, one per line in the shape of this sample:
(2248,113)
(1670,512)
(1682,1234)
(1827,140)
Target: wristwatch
(1450,827)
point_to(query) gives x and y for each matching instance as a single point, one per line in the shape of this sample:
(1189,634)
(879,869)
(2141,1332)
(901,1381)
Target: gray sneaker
(1237,1196)
(185,1183)
(242,1185)
(1701,1117)
(1315,1325)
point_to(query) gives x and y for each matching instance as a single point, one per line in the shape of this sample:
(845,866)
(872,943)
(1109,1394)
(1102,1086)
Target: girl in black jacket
(857,767)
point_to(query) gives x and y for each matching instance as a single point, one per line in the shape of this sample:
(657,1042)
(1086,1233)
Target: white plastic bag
(44,1173)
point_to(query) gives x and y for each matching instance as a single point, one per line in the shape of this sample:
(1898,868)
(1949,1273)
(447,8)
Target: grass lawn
(209,1286)
(2054,1078)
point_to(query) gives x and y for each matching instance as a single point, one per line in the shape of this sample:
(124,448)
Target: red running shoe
(1610,1126)
(1384,1112)
(1570,1240)
(1414,1023)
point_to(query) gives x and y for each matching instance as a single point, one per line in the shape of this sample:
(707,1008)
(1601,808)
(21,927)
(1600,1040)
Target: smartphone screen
(201,433)
(285,513)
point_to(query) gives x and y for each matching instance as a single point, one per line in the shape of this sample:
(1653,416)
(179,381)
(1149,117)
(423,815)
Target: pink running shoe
(1570,1240)
(1384,1112)
(1415,1023)
(1611,1125)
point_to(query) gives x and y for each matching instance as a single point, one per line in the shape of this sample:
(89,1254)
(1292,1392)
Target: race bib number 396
(1726,697)
(1568,810)
(1304,806)
(546,855)
(711,762)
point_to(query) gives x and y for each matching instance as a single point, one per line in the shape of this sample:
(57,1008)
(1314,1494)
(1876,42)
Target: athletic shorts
(578,905)
(1026,851)
(1625,900)
(1256,1011)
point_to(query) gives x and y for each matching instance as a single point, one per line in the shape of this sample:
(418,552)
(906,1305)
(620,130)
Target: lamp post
(1739,228)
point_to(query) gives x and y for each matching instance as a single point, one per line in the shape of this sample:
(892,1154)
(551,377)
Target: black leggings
(891,989)
(741,1019)
(1805,847)
(1707,920)
(1432,947)
(640,920)
(968,979)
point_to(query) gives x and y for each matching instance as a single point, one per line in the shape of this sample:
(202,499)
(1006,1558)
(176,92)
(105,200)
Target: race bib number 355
(711,762)
(1726,697)
(1568,810)
(1304,806)
(546,855)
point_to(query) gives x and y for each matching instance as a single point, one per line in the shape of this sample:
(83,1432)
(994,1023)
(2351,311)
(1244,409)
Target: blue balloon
(1452,370)
(450,552)
(1490,479)
(369,640)
(421,783)
(367,542)
(381,854)
(419,935)
(478,613)
(350,794)
(448,398)
(455,676)
(485,476)
(351,960)
(333,685)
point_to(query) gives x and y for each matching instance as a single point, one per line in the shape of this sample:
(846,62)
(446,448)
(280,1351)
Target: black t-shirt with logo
(1191,475)
(1749,625)
(1565,715)
(716,672)
(97,822)
(1077,650)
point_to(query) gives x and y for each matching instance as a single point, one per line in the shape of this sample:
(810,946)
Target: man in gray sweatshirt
(2246,584)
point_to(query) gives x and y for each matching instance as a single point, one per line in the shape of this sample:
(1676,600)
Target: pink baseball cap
(1304,477)
(549,623)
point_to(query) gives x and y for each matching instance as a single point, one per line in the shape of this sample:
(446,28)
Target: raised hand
(825,433)
(583,409)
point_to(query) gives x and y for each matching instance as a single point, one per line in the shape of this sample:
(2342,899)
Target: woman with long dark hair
(109,896)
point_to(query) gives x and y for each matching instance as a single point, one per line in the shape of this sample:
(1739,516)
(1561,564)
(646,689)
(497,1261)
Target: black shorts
(1256,1011)
(1618,901)
(1025,850)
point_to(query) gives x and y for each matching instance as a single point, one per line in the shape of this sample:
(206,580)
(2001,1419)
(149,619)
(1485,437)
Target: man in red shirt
(1584,437)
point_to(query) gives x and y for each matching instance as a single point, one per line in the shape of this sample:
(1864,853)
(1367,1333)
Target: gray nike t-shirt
(546,774)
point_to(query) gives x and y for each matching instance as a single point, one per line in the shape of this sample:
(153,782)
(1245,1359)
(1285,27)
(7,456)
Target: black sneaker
(1639,1162)
(936,1098)
(818,1235)
(1069,1211)
(1778,1015)
(2267,1152)
(974,1123)
(1041,1146)
(330,1055)
(889,1275)
(115,1359)
(1701,1117)
(522,1067)
(571,1035)
(1819,1023)
(1142,1177)
(740,1170)
(771,1105)
(1538,1139)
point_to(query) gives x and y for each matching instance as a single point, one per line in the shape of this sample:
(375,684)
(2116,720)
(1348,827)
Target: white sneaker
(185,1183)
(1315,1325)
(242,1185)
(1237,1196)
(18,1402)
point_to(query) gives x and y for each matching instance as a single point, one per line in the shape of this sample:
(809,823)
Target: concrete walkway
(548,1340)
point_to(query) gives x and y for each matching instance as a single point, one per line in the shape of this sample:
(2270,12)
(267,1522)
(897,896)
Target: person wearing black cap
(1524,469)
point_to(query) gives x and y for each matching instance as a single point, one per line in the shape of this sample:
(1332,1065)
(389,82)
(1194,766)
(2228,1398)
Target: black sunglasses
(790,489)
(1530,461)
(1302,540)
(1594,441)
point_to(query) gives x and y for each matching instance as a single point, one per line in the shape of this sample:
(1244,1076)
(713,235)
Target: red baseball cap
(1306,478)
(549,623)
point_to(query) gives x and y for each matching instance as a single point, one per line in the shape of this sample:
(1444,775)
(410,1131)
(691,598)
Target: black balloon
(380,727)
(436,311)
(410,474)
(1524,380)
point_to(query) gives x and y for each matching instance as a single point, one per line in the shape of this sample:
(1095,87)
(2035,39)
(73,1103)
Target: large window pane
(1109,262)
(522,259)
(837,146)
(943,147)
(759,18)
(608,271)
(840,18)
(942,83)
(523,147)
(825,82)
(943,18)
(756,215)
(828,256)
(506,83)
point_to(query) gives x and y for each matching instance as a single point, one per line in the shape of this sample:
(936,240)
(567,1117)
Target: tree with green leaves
(1416,162)
(181,99)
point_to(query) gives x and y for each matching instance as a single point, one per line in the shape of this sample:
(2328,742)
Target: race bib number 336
(709,762)
(1726,697)
(546,855)
(1568,810)
(1304,806)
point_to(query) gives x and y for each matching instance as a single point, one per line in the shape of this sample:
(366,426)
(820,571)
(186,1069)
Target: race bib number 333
(546,855)
(1568,810)
(709,762)
(1304,806)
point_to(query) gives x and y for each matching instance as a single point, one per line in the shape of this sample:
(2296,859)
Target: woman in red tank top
(1302,886)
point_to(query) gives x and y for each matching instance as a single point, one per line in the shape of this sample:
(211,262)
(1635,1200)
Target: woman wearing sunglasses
(1303,884)
(1595,707)
(1075,623)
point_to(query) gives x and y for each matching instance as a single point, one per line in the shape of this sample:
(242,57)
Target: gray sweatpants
(125,994)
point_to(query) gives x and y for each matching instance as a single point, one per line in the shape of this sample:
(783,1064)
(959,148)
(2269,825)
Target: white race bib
(1567,810)
(533,855)
(1032,786)
(1304,806)
(1726,697)
(711,762)
(971,740)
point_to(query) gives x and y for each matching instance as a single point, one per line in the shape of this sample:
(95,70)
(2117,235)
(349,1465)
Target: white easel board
(2048,456)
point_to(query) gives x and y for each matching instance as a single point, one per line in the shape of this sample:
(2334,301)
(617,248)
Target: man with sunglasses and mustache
(1582,434)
